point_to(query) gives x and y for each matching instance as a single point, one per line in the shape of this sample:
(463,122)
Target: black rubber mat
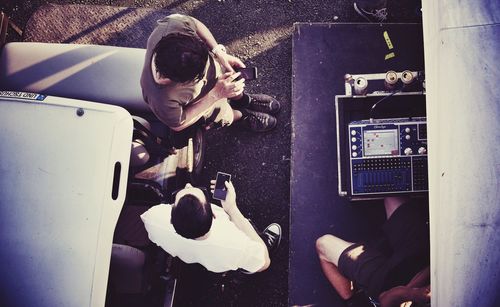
(322,54)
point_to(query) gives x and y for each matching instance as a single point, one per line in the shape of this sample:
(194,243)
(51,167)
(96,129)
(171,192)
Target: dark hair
(180,57)
(190,217)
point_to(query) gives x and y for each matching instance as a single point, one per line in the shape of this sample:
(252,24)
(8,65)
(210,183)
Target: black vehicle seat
(127,269)
(137,265)
(138,277)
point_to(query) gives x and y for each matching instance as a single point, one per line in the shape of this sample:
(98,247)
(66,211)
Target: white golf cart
(71,195)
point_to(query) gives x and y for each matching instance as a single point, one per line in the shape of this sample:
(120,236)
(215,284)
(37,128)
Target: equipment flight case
(382,135)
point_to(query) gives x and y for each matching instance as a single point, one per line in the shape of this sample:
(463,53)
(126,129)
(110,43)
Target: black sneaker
(258,121)
(263,103)
(372,13)
(272,237)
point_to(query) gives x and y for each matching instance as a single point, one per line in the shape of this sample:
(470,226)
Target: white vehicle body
(66,134)
(64,168)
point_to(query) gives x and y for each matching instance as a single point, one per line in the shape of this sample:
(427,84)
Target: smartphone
(220,190)
(249,73)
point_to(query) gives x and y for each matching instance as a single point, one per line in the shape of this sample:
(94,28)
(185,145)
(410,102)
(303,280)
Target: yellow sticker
(390,55)
(388,40)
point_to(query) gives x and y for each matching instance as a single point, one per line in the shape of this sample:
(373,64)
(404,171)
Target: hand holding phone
(227,87)
(220,189)
(248,73)
(229,204)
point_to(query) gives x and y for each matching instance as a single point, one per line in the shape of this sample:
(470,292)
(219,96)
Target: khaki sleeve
(170,113)
(177,23)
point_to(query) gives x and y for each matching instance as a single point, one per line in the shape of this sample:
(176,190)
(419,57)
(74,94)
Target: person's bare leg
(341,284)
(392,203)
(237,115)
(329,249)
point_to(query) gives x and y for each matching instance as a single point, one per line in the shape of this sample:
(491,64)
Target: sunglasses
(203,189)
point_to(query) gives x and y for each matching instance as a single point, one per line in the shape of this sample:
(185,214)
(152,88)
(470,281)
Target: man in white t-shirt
(220,239)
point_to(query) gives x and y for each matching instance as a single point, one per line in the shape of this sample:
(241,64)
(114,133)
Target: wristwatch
(217,48)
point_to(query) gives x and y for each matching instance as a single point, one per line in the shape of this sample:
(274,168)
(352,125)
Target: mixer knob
(354,154)
(354,147)
(408,151)
(353,140)
(407,137)
(422,150)
(353,132)
(407,129)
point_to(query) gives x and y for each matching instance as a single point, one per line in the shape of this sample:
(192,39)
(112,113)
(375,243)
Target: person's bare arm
(417,290)
(421,279)
(394,297)
(205,34)
(240,221)
(226,60)
(224,88)
(244,225)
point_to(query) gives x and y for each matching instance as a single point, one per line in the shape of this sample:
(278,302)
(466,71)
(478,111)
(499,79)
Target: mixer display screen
(388,156)
(380,142)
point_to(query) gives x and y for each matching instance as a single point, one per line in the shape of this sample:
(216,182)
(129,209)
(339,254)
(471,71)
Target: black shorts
(367,267)
(399,254)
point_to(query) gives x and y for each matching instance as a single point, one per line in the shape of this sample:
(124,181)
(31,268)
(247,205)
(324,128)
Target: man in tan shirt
(188,77)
